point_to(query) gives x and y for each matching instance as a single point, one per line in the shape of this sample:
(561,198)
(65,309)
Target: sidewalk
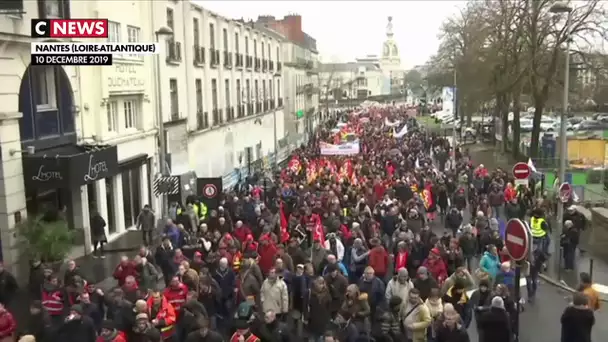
(598,268)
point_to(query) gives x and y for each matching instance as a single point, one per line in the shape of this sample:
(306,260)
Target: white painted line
(515,239)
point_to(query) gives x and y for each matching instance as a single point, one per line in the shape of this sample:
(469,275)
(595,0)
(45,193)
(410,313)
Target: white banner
(401,133)
(345,149)
(391,124)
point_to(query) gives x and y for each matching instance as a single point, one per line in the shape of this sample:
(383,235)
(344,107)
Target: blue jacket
(340,266)
(490,264)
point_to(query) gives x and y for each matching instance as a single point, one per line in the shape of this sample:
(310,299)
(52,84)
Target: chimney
(293,23)
(266,19)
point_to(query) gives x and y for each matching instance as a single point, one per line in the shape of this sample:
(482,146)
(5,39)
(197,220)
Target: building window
(45,96)
(236,43)
(239,97)
(195,32)
(257,91)
(55,9)
(270,93)
(269,53)
(212,36)
(112,112)
(198,85)
(113,32)
(174,99)
(130,109)
(246,45)
(262,48)
(227,92)
(214,93)
(279,88)
(131,195)
(248,90)
(225,34)
(255,48)
(278,55)
(133,35)
(264,90)
(170,20)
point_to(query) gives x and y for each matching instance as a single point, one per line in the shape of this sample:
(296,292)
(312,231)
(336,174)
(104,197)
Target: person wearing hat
(77,327)
(109,333)
(436,266)
(457,296)
(243,333)
(143,330)
(494,324)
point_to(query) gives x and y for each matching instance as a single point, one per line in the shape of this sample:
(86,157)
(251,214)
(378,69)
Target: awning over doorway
(69,166)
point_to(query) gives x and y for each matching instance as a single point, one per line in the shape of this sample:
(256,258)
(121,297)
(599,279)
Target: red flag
(318,234)
(284,225)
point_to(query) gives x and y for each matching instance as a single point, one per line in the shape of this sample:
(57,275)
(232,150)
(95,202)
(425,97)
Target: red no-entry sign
(521,171)
(517,239)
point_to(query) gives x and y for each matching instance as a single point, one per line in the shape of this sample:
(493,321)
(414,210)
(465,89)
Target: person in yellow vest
(540,229)
(202,211)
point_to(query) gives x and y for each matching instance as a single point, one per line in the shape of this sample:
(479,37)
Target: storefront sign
(95,169)
(126,78)
(46,175)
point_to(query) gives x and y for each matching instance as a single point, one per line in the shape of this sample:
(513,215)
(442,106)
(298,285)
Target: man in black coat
(494,324)
(77,327)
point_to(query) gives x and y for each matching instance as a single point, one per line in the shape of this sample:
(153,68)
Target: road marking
(515,239)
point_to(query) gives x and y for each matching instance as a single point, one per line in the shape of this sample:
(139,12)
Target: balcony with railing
(280,103)
(264,65)
(199,55)
(216,116)
(215,57)
(229,114)
(271,66)
(249,63)
(227,60)
(238,62)
(202,120)
(257,65)
(174,51)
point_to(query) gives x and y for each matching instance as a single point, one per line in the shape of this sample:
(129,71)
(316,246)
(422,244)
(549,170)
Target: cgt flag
(209,191)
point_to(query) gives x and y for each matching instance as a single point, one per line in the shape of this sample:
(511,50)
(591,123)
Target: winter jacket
(494,326)
(378,260)
(396,288)
(274,296)
(490,264)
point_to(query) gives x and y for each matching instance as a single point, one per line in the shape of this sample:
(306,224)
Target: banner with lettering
(346,149)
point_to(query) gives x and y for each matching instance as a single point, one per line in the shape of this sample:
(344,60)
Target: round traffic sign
(517,239)
(209,190)
(521,171)
(565,191)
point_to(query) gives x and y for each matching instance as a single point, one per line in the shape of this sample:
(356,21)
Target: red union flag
(69,28)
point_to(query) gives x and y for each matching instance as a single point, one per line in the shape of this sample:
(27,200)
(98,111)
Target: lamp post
(562,8)
(454,103)
(163,32)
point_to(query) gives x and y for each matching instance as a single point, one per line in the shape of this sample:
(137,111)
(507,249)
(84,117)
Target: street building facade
(223,81)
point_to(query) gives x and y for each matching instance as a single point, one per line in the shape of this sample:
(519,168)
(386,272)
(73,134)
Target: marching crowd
(339,249)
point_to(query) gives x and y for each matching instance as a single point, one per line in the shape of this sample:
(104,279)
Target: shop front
(58,179)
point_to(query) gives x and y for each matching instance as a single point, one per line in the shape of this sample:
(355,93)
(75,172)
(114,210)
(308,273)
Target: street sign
(517,239)
(565,192)
(521,172)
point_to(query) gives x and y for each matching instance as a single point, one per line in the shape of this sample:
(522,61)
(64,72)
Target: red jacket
(8,325)
(401,260)
(437,269)
(510,194)
(120,337)
(176,296)
(165,316)
(121,272)
(241,233)
(267,254)
(378,260)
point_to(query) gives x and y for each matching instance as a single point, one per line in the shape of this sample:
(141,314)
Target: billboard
(447,98)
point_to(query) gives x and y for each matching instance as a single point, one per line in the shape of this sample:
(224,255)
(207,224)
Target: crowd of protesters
(337,248)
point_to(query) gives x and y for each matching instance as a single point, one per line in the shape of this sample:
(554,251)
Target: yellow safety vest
(202,211)
(536,225)
(195,208)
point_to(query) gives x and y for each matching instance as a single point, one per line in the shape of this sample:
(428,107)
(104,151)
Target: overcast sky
(345,30)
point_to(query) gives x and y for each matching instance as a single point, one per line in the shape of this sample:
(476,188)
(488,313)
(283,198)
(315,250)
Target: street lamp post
(454,103)
(562,8)
(163,32)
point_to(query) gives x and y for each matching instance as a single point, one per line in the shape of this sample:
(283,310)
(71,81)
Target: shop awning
(69,166)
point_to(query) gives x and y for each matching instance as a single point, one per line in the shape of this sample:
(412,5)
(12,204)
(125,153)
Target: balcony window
(174,99)
(130,109)
(112,113)
(133,36)
(44,82)
(170,19)
(56,9)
